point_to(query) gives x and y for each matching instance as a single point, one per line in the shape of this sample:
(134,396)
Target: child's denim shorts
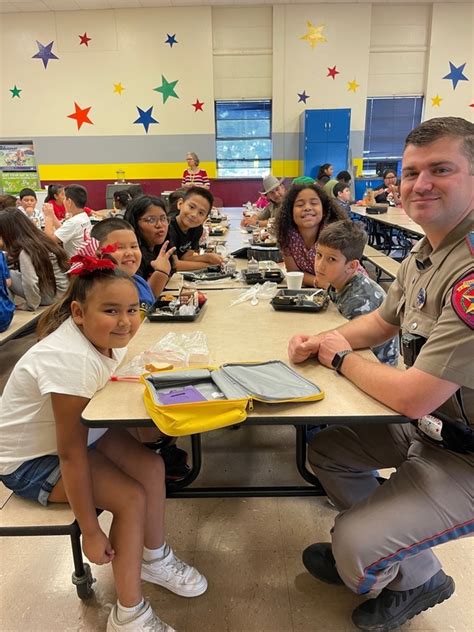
(34,479)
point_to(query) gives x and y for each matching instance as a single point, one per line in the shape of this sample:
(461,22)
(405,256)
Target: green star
(15,92)
(167,89)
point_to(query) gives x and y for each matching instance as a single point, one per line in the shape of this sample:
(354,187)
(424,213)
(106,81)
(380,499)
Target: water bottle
(231,266)
(252,266)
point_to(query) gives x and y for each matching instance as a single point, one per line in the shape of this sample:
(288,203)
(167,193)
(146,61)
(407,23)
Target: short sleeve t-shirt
(183,241)
(145,295)
(74,232)
(64,362)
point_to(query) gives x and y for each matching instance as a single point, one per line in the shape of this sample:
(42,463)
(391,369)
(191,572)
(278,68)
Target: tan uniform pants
(384,533)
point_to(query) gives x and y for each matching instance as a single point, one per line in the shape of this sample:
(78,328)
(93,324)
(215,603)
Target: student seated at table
(147,216)
(342,195)
(337,266)
(185,230)
(118,236)
(48,455)
(306,210)
(75,230)
(28,201)
(121,200)
(7,306)
(7,201)
(38,264)
(342,176)
(56,197)
(173,199)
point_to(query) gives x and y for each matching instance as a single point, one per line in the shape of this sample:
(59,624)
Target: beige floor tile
(305,521)
(247,593)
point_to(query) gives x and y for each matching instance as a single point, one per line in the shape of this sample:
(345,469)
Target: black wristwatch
(339,359)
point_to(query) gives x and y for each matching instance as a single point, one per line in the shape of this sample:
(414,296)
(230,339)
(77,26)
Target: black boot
(319,561)
(393,607)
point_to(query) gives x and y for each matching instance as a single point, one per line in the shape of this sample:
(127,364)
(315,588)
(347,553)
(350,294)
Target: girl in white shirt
(38,264)
(48,455)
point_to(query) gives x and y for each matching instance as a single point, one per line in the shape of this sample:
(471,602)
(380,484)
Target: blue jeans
(34,479)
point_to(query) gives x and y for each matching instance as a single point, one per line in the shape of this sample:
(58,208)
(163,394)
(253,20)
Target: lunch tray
(168,316)
(293,301)
(205,275)
(274,276)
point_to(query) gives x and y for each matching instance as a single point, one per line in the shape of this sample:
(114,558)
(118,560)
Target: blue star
(303,97)
(145,118)
(45,53)
(171,39)
(456,74)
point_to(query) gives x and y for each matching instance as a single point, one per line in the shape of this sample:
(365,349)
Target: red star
(84,39)
(198,105)
(332,72)
(81,116)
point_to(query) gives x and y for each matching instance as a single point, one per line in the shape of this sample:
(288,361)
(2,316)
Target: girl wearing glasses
(147,215)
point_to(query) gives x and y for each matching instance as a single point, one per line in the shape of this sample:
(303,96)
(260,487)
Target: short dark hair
(7,201)
(24,192)
(344,176)
(76,193)
(102,230)
(339,188)
(122,197)
(203,192)
(173,200)
(442,127)
(347,237)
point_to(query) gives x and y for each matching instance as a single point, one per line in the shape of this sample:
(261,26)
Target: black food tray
(293,301)
(264,244)
(251,278)
(170,317)
(205,275)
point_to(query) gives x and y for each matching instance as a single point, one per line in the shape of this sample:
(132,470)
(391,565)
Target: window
(388,121)
(243,138)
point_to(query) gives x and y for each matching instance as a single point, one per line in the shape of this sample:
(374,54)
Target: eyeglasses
(155,220)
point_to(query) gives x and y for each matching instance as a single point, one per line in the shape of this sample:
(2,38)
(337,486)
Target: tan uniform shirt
(270,211)
(419,300)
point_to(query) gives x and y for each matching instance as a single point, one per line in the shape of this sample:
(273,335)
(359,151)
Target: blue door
(314,156)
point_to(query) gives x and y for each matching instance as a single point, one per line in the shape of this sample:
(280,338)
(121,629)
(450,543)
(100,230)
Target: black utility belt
(448,434)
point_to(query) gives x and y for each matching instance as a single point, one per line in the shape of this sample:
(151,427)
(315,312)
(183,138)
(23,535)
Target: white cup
(294,280)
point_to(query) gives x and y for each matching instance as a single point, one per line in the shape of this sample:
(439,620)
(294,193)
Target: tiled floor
(249,549)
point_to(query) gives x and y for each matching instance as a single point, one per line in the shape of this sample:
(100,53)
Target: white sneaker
(175,575)
(145,621)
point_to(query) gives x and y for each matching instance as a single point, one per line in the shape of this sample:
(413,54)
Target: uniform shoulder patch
(462,299)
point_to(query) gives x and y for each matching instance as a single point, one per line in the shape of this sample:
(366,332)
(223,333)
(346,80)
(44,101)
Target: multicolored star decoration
(303,97)
(198,105)
(436,101)
(45,53)
(81,115)
(15,92)
(118,88)
(145,118)
(84,39)
(332,72)
(167,89)
(314,35)
(456,74)
(352,85)
(171,39)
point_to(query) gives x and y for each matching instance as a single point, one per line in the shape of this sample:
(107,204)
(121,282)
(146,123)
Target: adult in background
(383,536)
(388,193)
(274,191)
(193,176)
(325,173)
(343,176)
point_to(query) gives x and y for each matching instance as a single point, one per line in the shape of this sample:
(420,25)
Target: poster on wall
(13,182)
(19,156)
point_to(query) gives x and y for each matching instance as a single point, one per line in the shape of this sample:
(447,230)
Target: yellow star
(314,35)
(352,85)
(118,88)
(436,101)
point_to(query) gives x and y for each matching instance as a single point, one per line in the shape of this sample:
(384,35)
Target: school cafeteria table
(245,333)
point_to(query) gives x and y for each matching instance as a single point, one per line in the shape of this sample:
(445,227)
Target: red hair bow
(89,258)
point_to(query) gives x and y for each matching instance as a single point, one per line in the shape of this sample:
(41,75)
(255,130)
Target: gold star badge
(352,85)
(436,101)
(118,88)
(314,35)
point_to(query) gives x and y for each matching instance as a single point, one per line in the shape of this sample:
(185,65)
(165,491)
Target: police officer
(383,536)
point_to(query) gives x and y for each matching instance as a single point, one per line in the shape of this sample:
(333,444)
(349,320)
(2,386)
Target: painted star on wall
(303,97)
(167,89)
(352,85)
(314,34)
(45,53)
(456,74)
(436,101)
(15,91)
(171,39)
(198,105)
(332,72)
(145,118)
(81,115)
(118,88)
(84,39)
